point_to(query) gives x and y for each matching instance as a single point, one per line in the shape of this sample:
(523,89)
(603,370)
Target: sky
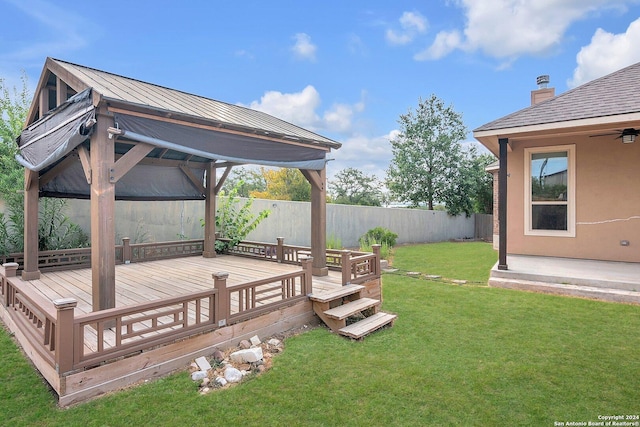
(344,69)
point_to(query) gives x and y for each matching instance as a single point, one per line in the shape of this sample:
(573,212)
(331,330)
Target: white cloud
(507,29)
(371,155)
(445,42)
(412,24)
(303,48)
(298,108)
(606,53)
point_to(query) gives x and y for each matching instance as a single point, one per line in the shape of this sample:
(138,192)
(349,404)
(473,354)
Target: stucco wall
(162,221)
(607,202)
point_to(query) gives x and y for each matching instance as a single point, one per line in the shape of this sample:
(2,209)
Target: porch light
(629,136)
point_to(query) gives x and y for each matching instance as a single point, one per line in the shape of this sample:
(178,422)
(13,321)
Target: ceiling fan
(627,135)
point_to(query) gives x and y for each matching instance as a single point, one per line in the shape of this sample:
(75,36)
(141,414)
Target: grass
(457,355)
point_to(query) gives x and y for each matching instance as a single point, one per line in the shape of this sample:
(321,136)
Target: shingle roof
(125,89)
(611,95)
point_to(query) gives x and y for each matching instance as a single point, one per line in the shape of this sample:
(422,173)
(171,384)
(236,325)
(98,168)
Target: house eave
(489,138)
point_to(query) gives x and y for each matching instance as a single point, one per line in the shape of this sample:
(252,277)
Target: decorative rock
(413,274)
(459,282)
(221,381)
(205,382)
(193,365)
(205,390)
(244,344)
(232,375)
(274,342)
(244,373)
(218,356)
(247,356)
(390,270)
(433,276)
(203,364)
(199,375)
(255,340)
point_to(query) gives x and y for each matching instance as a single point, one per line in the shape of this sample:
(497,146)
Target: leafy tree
(245,181)
(429,164)
(352,187)
(284,184)
(483,192)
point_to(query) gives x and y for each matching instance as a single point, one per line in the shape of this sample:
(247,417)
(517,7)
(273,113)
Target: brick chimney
(542,93)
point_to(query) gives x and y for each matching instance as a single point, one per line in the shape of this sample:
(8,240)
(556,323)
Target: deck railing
(70,342)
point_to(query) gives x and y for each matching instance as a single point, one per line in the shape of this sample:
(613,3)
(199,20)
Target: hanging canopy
(186,131)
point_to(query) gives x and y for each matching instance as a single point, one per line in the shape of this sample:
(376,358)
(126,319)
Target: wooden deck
(147,281)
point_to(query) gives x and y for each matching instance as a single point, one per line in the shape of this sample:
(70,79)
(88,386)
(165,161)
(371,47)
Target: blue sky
(344,69)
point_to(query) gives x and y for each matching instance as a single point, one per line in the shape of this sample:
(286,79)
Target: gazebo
(100,136)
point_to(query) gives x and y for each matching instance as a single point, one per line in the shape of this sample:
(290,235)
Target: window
(550,191)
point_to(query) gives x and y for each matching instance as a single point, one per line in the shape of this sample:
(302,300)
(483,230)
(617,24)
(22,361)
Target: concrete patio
(602,280)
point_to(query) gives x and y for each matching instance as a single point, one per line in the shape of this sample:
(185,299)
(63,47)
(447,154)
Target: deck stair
(338,306)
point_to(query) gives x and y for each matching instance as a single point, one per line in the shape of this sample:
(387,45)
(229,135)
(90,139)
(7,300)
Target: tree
(352,187)
(284,184)
(483,192)
(429,164)
(245,181)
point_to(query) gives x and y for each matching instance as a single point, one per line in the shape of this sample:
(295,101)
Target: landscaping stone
(205,382)
(203,364)
(218,356)
(433,276)
(247,356)
(244,344)
(199,375)
(221,381)
(232,375)
(413,274)
(255,340)
(273,342)
(459,282)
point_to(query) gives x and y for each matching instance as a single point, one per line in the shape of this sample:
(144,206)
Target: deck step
(336,294)
(367,325)
(343,311)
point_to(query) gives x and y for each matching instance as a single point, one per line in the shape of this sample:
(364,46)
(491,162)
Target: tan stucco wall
(607,194)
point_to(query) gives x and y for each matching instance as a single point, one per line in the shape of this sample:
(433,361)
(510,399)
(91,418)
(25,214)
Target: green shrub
(333,242)
(235,221)
(366,245)
(381,235)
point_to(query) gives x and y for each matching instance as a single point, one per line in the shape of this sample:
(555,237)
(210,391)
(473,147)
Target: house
(568,182)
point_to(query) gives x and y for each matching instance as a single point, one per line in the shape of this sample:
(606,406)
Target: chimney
(542,93)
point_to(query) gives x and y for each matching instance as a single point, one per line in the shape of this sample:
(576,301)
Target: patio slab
(606,280)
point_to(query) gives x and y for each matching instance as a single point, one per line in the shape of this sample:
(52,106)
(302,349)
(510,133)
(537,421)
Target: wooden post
(103,201)
(222,299)
(31,193)
(61,91)
(318,181)
(126,250)
(209,249)
(376,250)
(63,345)
(10,270)
(502,205)
(307,266)
(346,267)
(280,249)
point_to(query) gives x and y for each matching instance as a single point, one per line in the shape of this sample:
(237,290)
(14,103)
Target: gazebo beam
(103,200)
(318,181)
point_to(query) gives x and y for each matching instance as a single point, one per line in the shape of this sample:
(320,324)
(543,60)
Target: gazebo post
(31,194)
(103,201)
(318,181)
(209,249)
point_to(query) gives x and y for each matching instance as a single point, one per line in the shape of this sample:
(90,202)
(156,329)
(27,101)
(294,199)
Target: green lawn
(457,355)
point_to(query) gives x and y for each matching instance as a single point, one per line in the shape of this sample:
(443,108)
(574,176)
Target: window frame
(571,192)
